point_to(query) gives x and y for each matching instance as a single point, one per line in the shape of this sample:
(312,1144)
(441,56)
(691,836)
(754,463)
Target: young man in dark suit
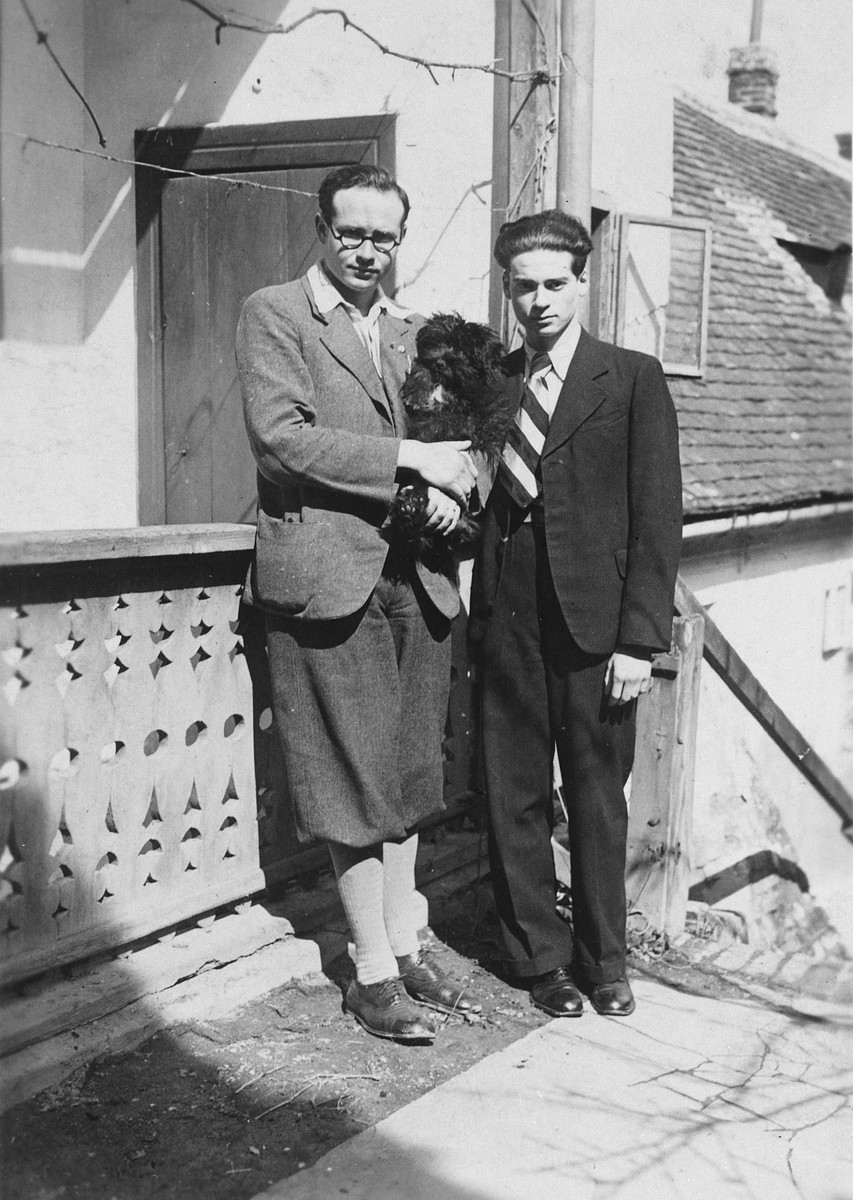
(575,582)
(358,640)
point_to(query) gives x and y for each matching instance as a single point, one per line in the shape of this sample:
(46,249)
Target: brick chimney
(753,75)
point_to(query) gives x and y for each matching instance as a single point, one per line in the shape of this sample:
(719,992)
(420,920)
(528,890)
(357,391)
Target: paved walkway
(691,1097)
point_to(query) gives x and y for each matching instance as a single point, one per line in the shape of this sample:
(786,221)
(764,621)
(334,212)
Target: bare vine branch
(539,157)
(231,20)
(253,25)
(534,16)
(41,40)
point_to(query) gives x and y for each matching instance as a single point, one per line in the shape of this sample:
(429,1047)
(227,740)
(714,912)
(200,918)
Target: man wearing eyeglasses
(358,639)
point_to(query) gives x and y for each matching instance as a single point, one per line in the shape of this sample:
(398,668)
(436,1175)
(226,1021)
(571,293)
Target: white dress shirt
(550,382)
(327,297)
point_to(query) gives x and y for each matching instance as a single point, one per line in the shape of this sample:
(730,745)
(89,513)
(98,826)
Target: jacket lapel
(513,366)
(397,350)
(344,344)
(580,395)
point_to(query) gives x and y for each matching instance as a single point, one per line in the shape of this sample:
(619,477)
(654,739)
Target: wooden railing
(140,777)
(658,873)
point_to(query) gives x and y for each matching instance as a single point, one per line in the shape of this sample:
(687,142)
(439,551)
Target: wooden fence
(140,777)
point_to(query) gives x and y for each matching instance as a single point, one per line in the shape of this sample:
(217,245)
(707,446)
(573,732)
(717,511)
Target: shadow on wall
(70,227)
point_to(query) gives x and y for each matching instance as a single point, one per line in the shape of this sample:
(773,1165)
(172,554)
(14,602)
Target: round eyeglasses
(351,239)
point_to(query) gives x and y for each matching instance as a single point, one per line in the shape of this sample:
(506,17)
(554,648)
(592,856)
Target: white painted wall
(68,367)
(68,415)
(765,590)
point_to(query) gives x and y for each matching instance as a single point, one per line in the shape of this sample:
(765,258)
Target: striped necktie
(519,468)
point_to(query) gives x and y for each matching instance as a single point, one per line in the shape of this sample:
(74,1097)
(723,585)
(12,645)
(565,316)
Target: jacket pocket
(288,554)
(603,420)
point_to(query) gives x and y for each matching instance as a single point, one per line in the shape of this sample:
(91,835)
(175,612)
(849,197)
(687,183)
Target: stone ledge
(47,1063)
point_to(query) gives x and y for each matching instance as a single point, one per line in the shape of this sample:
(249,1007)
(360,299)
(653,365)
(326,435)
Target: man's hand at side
(444,465)
(627,678)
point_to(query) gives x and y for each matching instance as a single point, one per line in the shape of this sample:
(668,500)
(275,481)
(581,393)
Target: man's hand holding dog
(445,465)
(443,512)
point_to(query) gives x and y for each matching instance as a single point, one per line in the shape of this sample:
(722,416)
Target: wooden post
(657,875)
(574,134)
(524,130)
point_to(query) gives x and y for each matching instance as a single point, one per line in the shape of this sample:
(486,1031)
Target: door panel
(185,353)
(205,245)
(251,241)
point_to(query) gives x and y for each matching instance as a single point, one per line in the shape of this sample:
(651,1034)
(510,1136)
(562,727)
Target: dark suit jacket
(325,435)
(611,482)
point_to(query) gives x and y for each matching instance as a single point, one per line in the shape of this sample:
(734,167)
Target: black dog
(452,392)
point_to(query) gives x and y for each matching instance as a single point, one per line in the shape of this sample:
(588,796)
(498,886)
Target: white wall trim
(764,520)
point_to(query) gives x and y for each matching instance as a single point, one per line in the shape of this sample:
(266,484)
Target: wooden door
(205,245)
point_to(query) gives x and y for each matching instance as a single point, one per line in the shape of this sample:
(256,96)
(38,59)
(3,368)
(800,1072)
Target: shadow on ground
(223,1108)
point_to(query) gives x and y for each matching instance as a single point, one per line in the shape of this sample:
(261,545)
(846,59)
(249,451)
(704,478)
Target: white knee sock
(360,876)
(400,910)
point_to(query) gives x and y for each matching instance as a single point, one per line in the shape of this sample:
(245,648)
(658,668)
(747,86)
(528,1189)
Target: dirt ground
(221,1109)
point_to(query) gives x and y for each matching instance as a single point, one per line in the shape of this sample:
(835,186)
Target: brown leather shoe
(426,982)
(614,999)
(385,1010)
(556,995)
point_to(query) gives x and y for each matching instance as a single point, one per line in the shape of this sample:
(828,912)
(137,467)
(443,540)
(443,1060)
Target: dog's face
(455,358)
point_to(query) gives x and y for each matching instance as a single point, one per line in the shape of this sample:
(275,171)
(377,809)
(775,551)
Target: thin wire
(235,180)
(28,139)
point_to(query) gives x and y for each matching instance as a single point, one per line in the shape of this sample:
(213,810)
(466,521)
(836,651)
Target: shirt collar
(562,352)
(327,297)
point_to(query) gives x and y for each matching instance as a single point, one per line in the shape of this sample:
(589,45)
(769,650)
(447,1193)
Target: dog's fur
(453,392)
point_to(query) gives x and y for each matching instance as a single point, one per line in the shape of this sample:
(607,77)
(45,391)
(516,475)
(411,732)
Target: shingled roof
(769,423)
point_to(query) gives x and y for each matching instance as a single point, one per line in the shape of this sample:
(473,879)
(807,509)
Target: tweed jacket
(324,430)
(611,485)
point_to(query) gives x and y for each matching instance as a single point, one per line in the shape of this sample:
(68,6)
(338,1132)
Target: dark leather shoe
(385,1010)
(556,995)
(426,982)
(612,999)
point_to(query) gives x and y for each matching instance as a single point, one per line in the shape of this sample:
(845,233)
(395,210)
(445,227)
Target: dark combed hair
(357,175)
(549,230)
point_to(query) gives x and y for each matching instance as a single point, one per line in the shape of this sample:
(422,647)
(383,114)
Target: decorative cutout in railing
(128,779)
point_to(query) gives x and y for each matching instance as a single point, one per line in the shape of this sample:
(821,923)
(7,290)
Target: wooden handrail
(148,541)
(737,676)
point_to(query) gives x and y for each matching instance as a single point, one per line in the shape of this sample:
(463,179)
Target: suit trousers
(360,705)
(541,692)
